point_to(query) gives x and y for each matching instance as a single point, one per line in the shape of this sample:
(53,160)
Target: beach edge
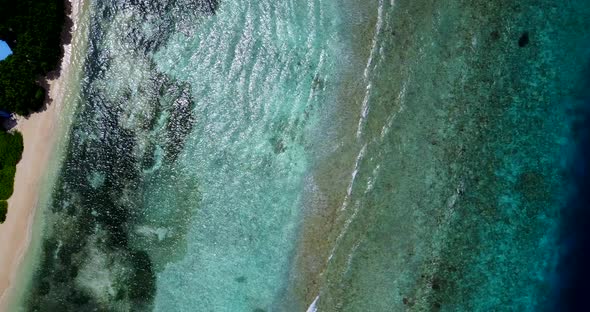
(41,135)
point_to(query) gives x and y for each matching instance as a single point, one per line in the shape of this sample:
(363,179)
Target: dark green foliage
(11,149)
(3,210)
(32,29)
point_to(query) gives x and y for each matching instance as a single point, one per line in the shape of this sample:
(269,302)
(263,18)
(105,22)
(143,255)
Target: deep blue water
(571,287)
(4,50)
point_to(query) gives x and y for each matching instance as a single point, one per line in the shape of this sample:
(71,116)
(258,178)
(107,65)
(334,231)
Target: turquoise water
(263,72)
(4,50)
(312,155)
(186,166)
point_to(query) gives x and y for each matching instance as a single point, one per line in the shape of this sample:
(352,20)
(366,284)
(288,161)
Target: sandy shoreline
(40,133)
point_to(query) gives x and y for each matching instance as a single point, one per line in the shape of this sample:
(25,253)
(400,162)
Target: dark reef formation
(98,205)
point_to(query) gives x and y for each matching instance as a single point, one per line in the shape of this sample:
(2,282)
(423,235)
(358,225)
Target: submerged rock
(524,39)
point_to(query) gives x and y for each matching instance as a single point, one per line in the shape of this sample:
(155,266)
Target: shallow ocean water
(263,156)
(462,183)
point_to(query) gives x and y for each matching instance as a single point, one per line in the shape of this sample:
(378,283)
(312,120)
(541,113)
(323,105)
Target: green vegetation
(32,29)
(3,210)
(11,149)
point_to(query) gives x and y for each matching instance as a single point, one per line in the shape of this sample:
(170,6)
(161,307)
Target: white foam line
(371,181)
(375,39)
(364,111)
(390,119)
(359,158)
(313,306)
(351,256)
(374,44)
(343,232)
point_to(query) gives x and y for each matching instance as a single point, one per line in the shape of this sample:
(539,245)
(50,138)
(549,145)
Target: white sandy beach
(40,133)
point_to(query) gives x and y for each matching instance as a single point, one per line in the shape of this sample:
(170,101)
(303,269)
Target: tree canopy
(11,149)
(32,29)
